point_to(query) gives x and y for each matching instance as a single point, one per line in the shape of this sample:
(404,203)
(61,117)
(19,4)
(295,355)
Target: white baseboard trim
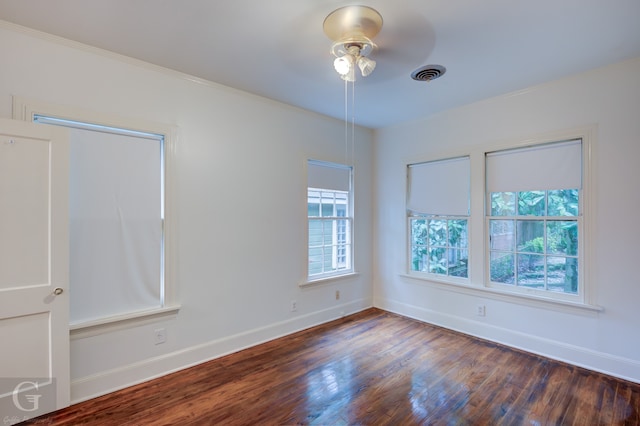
(105,382)
(623,368)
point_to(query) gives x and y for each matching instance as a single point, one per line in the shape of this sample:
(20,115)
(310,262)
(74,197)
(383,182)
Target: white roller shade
(541,167)
(440,187)
(115,220)
(328,176)
(115,223)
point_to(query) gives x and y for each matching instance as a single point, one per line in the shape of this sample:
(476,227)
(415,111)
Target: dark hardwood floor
(372,368)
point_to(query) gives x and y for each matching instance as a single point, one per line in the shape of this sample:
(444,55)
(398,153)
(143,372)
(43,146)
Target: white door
(34,270)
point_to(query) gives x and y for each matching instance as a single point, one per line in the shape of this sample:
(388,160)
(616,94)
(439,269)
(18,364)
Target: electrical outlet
(337,294)
(160,335)
(481,310)
(294,306)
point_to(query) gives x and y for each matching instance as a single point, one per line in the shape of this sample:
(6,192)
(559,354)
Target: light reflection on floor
(330,391)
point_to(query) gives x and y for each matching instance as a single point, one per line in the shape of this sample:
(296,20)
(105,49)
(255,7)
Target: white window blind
(541,167)
(439,187)
(328,176)
(116,224)
(116,221)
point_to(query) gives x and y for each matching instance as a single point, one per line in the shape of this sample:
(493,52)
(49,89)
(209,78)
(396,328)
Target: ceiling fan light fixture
(351,28)
(343,64)
(366,65)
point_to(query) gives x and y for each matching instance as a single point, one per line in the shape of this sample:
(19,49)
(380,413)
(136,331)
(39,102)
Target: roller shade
(542,167)
(439,187)
(116,224)
(115,220)
(324,175)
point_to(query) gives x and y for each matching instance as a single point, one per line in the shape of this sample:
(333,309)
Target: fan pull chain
(353,121)
(346,122)
(349,118)
(348,160)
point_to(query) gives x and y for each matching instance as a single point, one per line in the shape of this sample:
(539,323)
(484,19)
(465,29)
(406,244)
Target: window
(529,239)
(534,218)
(120,244)
(438,211)
(329,220)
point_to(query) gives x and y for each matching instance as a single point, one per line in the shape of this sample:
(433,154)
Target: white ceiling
(278,49)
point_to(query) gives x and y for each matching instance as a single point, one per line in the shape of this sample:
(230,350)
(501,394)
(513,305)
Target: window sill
(119,322)
(327,280)
(520,298)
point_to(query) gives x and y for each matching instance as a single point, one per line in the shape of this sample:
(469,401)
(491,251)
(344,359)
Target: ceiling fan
(352,28)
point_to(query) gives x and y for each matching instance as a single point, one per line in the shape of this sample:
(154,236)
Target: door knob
(58,291)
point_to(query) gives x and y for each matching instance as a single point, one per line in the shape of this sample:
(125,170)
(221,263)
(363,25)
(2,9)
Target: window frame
(413,215)
(477,285)
(27,109)
(334,220)
(582,294)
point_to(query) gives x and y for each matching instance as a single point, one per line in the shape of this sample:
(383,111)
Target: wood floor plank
(372,368)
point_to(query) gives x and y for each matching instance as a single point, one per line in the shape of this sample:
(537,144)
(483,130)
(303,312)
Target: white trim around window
(329,222)
(438,196)
(478,282)
(28,110)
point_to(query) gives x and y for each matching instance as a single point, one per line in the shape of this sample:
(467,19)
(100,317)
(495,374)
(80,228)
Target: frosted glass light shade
(350,76)
(343,64)
(366,65)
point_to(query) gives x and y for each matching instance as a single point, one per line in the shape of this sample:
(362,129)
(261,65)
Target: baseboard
(612,365)
(119,378)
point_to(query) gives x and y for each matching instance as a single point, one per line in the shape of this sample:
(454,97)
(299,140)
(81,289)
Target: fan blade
(403,44)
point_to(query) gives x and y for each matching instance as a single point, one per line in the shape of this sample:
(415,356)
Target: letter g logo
(33,399)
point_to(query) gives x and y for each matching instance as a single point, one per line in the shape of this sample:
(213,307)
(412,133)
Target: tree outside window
(534,239)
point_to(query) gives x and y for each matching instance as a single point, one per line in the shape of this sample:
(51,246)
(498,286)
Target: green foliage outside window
(534,244)
(439,246)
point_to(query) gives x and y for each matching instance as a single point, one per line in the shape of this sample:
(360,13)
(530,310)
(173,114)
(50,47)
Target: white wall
(241,185)
(607,99)
(239,154)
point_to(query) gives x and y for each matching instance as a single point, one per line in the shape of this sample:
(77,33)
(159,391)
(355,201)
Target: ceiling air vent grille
(428,72)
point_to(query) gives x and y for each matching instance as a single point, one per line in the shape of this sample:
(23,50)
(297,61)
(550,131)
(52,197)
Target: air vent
(428,72)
